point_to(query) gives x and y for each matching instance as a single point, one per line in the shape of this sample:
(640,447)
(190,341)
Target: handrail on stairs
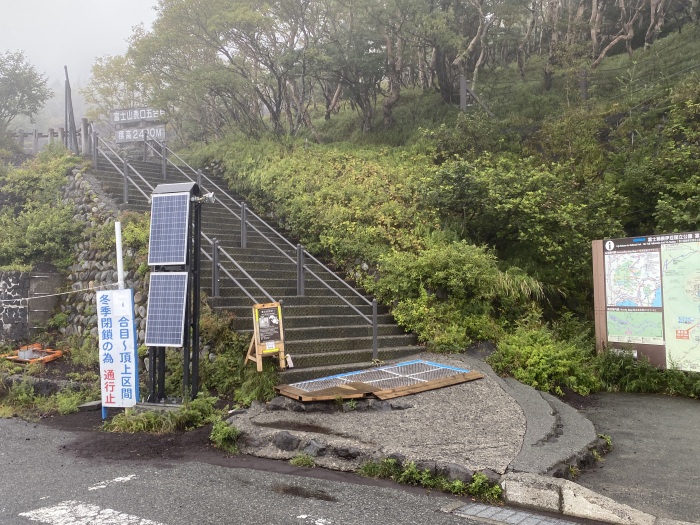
(125,173)
(301,252)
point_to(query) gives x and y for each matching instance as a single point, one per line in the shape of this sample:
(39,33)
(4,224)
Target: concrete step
(322,333)
(323,346)
(332,363)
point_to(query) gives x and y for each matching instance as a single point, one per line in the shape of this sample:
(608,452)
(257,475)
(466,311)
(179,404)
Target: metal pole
(145,147)
(244,225)
(375,346)
(94,149)
(151,374)
(126,182)
(164,164)
(215,291)
(199,179)
(85,143)
(120,256)
(161,373)
(196,297)
(300,270)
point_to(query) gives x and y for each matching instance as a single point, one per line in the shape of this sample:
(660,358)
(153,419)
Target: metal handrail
(281,237)
(206,237)
(120,171)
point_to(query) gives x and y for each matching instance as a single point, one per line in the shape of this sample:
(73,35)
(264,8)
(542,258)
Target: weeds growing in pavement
(409,474)
(302,460)
(224,436)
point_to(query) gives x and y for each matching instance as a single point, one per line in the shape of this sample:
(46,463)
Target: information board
(139,134)
(268,334)
(651,297)
(122,116)
(119,376)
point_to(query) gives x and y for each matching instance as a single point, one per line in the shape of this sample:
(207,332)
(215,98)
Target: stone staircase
(323,334)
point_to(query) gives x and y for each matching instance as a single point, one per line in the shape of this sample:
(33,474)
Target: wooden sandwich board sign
(268,334)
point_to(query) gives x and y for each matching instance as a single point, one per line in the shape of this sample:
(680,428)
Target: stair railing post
(215,291)
(199,179)
(300,270)
(94,149)
(244,225)
(375,346)
(126,182)
(164,164)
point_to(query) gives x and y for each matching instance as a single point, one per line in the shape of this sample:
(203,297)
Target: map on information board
(652,296)
(681,270)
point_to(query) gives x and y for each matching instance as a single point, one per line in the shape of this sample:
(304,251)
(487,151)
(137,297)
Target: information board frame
(268,335)
(647,297)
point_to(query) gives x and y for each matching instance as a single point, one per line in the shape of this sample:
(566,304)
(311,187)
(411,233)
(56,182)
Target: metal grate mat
(385,377)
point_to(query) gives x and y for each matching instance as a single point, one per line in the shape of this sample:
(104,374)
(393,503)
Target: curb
(570,499)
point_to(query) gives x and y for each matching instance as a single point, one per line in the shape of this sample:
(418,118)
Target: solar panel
(170,214)
(165,324)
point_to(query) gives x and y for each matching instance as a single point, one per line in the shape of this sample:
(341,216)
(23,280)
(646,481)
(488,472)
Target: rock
(454,472)
(428,465)
(400,405)
(348,452)
(491,476)
(286,441)
(314,448)
(399,458)
(379,406)
(278,403)
(251,441)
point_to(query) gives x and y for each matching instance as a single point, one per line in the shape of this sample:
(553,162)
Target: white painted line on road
(310,520)
(103,484)
(77,513)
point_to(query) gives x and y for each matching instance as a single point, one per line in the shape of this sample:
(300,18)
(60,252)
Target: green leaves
(23,90)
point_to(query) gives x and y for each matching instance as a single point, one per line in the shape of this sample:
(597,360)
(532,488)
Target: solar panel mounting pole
(196,262)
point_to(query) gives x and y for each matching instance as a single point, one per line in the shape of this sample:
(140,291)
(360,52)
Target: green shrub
(621,371)
(533,356)
(482,489)
(479,486)
(224,436)
(302,460)
(21,395)
(257,385)
(191,415)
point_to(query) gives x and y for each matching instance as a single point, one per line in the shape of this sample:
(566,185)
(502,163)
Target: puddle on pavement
(291,490)
(294,425)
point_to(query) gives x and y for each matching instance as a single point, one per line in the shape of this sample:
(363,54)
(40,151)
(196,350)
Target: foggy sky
(54,33)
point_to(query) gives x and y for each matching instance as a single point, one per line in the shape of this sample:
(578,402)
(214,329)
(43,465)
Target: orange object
(34,353)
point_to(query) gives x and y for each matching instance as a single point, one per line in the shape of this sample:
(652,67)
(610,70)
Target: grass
(479,486)
(302,460)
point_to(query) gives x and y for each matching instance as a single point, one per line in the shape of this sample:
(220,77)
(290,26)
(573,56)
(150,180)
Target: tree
(23,90)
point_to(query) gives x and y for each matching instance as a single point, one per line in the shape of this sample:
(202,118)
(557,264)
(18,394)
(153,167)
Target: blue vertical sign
(119,371)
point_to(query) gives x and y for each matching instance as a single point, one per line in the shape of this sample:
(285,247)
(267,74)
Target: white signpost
(119,377)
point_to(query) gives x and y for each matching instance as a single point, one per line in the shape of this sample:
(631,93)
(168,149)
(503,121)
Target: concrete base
(570,499)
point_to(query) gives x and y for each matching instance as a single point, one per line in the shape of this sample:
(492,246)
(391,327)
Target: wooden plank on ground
(291,392)
(354,390)
(391,393)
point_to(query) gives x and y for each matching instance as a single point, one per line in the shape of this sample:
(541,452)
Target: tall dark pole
(196,297)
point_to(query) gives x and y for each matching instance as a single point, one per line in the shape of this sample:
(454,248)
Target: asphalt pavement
(529,440)
(655,462)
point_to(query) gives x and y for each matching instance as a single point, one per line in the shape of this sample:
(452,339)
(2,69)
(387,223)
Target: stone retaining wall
(95,268)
